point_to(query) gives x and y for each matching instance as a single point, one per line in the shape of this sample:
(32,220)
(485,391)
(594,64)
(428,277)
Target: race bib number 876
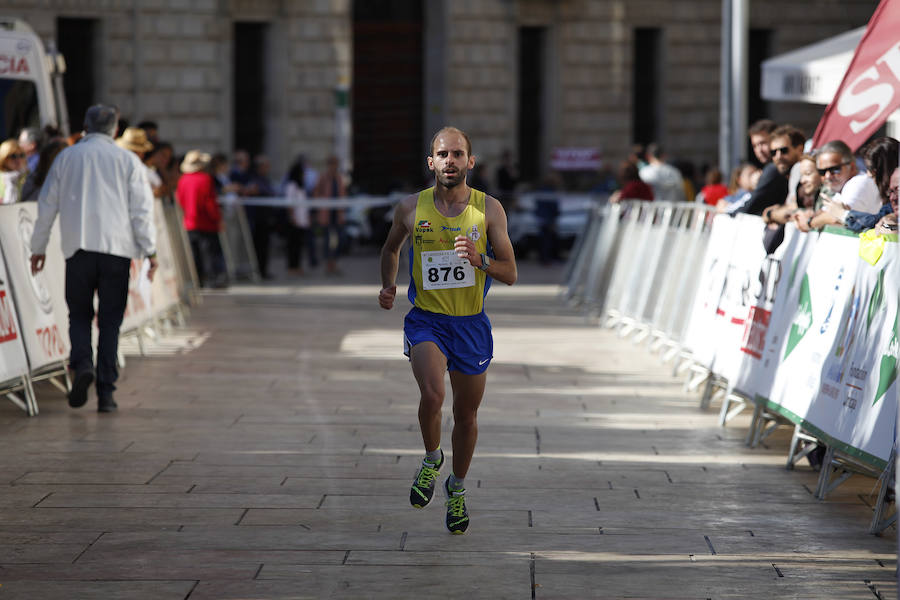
(443,269)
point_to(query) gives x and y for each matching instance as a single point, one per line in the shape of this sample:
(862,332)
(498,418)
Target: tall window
(532,51)
(76,41)
(646,108)
(249,86)
(760,48)
(387,95)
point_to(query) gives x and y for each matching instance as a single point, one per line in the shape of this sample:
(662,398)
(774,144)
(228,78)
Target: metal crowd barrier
(637,269)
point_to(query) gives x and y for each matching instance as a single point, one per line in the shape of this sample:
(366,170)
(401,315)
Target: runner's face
(450,160)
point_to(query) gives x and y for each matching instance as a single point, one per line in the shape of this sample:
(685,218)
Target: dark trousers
(208,258)
(107,275)
(296,239)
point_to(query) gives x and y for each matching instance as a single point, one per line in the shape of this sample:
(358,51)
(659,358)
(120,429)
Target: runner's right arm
(390,252)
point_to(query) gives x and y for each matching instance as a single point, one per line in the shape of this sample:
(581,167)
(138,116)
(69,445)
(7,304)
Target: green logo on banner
(802,320)
(876,301)
(887,370)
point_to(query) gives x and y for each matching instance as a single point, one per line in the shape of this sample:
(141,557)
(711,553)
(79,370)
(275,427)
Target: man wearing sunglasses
(772,189)
(847,186)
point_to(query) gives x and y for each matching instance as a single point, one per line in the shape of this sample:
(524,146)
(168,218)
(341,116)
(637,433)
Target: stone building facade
(524,75)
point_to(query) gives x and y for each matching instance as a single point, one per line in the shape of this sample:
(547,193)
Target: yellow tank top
(441,282)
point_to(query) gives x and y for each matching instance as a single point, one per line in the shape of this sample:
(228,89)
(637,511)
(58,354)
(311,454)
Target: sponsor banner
(782,288)
(40,299)
(855,401)
(165,286)
(819,299)
(13,363)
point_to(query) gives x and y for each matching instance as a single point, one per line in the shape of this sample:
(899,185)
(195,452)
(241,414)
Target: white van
(31,92)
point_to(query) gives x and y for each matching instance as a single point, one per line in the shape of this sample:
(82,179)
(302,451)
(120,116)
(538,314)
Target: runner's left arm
(503,265)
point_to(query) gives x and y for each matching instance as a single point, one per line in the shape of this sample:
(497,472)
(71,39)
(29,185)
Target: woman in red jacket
(196,193)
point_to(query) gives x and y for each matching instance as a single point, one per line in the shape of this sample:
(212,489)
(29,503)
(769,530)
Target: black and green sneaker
(457,515)
(423,487)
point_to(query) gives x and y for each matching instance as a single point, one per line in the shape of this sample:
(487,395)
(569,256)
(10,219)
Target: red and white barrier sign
(13,363)
(40,299)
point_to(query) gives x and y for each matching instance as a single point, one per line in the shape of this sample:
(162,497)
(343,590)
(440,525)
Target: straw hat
(195,160)
(134,139)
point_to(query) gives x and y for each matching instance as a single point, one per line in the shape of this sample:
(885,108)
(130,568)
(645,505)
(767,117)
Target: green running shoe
(423,487)
(457,515)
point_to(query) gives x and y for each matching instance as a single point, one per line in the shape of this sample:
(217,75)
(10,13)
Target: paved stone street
(266,451)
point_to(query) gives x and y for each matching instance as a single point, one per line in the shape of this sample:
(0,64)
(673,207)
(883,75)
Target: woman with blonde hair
(13,169)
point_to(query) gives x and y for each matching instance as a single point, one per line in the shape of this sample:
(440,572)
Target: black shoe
(457,515)
(78,393)
(106,404)
(423,487)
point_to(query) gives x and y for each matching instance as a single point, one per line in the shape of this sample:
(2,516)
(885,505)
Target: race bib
(443,269)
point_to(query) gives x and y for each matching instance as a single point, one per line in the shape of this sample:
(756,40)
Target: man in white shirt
(105,208)
(855,190)
(666,180)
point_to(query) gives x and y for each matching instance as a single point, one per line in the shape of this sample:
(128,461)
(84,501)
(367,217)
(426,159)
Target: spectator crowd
(795,183)
(199,182)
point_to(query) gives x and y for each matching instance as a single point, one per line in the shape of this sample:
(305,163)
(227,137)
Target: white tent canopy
(810,74)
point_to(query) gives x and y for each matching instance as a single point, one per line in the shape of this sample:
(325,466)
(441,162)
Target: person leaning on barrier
(844,186)
(743,181)
(12,172)
(35,180)
(760,133)
(772,188)
(881,158)
(786,147)
(807,198)
(888,223)
(632,187)
(786,150)
(105,208)
(30,140)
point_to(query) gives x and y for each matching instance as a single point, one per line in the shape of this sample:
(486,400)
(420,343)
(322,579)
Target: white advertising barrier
(703,321)
(139,308)
(13,363)
(838,372)
(40,299)
(781,283)
(745,288)
(165,292)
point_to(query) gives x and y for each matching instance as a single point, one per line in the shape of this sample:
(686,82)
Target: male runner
(459,245)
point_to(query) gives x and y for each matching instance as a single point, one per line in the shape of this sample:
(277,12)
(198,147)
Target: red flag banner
(870,90)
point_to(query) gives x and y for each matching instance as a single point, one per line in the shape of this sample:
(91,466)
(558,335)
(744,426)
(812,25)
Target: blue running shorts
(465,341)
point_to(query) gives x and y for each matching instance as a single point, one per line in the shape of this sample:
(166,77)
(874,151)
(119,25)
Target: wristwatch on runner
(485,262)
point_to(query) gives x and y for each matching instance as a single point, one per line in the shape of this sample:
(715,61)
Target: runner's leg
(467,393)
(429,365)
